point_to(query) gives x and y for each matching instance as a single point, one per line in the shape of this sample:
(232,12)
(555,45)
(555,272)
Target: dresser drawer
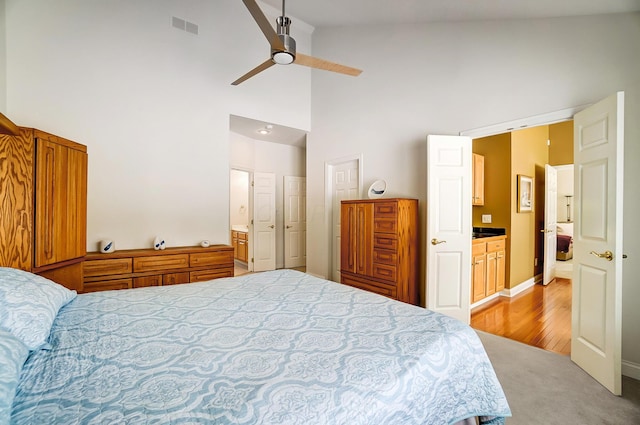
(495,245)
(385,256)
(104,267)
(211,258)
(106,285)
(384,271)
(144,281)
(478,248)
(202,275)
(389,242)
(385,210)
(369,285)
(175,278)
(160,262)
(385,225)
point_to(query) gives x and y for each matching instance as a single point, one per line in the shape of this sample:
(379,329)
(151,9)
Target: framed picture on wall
(525,193)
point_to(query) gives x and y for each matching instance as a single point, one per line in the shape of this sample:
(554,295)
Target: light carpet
(547,388)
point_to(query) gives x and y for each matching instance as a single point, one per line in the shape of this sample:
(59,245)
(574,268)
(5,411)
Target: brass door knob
(434,241)
(608,255)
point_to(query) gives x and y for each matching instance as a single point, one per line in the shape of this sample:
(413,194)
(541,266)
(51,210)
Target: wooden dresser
(136,268)
(43,182)
(379,247)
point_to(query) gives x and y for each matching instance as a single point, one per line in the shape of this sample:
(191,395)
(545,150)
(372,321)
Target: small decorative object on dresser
(205,243)
(107,246)
(377,189)
(159,243)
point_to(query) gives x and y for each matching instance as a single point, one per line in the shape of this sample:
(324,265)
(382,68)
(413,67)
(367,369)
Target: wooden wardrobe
(379,247)
(43,205)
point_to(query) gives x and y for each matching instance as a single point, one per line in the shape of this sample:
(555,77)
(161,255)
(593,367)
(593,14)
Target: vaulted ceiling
(327,13)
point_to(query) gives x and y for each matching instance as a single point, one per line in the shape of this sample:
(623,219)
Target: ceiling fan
(283,47)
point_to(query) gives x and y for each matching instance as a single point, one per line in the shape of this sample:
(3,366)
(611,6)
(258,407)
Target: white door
(597,253)
(550,230)
(264,221)
(295,221)
(449,225)
(345,185)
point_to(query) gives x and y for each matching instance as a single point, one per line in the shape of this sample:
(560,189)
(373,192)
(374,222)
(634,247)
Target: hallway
(539,316)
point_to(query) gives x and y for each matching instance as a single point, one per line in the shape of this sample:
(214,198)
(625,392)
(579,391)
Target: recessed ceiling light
(265,130)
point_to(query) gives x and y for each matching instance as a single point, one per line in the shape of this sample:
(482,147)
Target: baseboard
(512,292)
(485,300)
(317,275)
(630,369)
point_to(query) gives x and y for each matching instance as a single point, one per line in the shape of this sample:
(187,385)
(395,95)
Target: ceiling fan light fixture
(283,58)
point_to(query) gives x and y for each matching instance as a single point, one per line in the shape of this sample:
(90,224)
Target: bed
(564,245)
(280,347)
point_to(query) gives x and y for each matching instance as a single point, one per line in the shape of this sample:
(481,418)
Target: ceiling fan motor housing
(288,55)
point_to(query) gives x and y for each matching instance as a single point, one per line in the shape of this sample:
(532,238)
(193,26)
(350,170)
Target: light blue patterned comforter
(277,347)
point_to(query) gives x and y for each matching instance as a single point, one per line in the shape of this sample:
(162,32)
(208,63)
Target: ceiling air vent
(184,25)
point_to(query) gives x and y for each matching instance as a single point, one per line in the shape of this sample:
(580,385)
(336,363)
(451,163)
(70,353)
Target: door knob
(545,231)
(272,226)
(434,241)
(608,255)
(288,227)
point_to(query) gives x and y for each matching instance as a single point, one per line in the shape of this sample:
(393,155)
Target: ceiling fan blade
(264,65)
(318,63)
(263,23)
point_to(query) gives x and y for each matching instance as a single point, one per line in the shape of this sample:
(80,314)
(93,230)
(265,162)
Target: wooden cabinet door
(348,238)
(479,277)
(242,250)
(76,210)
(50,194)
(234,243)
(478,179)
(501,270)
(60,203)
(364,239)
(16,208)
(492,273)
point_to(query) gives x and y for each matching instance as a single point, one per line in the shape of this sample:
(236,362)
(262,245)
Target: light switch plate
(486,218)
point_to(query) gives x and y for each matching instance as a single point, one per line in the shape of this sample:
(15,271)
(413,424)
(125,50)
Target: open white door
(597,284)
(345,184)
(550,231)
(295,221)
(264,222)
(449,225)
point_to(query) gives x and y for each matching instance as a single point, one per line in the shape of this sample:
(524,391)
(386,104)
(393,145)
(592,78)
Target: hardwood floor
(539,316)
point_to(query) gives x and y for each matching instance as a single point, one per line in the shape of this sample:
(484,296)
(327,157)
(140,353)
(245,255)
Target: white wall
(3,59)
(239,198)
(282,160)
(151,102)
(631,244)
(565,188)
(447,78)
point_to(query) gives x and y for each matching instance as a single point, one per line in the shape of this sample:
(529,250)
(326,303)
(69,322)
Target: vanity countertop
(489,232)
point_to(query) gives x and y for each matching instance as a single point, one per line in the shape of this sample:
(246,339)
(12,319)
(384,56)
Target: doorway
(262,150)
(343,181)
(529,313)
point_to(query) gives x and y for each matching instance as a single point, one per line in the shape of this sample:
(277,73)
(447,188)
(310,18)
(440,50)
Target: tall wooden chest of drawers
(379,247)
(135,268)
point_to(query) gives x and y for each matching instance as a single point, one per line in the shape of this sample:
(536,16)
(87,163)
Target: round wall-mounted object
(377,189)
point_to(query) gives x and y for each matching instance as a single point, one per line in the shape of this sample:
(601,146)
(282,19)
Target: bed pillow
(13,354)
(29,304)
